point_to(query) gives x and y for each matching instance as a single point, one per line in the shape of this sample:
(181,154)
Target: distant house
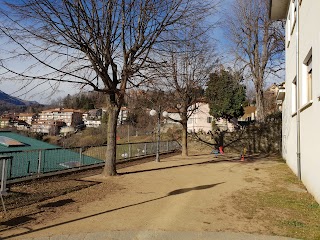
(4,122)
(172,115)
(250,113)
(71,117)
(201,120)
(169,120)
(92,118)
(280,95)
(95,113)
(21,125)
(92,123)
(92,114)
(270,96)
(27,117)
(123,115)
(51,127)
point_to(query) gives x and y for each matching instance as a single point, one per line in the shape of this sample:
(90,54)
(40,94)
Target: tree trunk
(184,140)
(260,105)
(111,153)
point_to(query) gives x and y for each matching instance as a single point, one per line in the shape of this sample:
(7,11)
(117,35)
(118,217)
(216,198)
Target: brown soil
(177,194)
(48,196)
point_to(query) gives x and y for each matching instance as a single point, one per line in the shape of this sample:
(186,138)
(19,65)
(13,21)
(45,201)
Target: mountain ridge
(7,99)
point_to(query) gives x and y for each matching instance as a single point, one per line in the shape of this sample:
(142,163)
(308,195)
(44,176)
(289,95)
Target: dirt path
(177,194)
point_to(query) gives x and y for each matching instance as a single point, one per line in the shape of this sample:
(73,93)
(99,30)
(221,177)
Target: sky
(41,94)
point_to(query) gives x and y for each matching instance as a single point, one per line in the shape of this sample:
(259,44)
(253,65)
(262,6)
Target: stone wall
(263,137)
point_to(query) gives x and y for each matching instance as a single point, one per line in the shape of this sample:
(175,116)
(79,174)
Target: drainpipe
(298,91)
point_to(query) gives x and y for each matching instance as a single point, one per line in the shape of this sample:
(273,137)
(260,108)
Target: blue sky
(39,93)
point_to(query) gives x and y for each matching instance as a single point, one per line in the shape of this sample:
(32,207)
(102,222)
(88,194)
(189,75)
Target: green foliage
(225,94)
(84,101)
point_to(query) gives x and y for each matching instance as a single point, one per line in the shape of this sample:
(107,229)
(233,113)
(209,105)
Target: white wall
(310,125)
(174,116)
(198,120)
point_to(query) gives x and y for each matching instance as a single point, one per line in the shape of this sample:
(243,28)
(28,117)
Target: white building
(123,115)
(201,120)
(51,127)
(92,118)
(172,116)
(92,123)
(301,105)
(250,113)
(4,122)
(71,117)
(27,117)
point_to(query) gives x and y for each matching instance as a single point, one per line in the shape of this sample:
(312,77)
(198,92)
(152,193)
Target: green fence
(37,162)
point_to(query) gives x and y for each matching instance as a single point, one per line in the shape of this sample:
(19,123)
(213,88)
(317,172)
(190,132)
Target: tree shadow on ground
(59,203)
(15,222)
(18,220)
(172,193)
(17,199)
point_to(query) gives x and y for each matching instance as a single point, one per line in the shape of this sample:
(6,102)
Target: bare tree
(258,44)
(101,44)
(183,71)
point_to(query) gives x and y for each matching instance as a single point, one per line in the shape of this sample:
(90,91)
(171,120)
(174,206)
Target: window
(294,95)
(306,84)
(309,78)
(209,119)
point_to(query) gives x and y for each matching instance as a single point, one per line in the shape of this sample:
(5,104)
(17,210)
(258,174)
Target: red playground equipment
(221,150)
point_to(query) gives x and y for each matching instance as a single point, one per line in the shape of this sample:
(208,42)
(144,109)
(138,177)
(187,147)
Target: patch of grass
(284,212)
(314,205)
(295,223)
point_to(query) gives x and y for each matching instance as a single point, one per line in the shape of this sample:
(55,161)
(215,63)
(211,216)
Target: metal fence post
(4,180)
(80,157)
(3,187)
(145,148)
(129,150)
(39,162)
(167,146)
(10,171)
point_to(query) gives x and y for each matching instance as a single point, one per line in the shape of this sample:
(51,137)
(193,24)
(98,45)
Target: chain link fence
(35,163)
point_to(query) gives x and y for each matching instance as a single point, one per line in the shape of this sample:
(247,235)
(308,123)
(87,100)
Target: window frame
(294,93)
(306,83)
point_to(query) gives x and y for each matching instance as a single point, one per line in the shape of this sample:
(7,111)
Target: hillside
(6,99)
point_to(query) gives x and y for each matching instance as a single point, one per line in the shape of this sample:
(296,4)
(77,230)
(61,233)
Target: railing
(34,163)
(3,166)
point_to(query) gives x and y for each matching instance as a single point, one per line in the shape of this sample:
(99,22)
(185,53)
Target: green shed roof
(30,143)
(28,159)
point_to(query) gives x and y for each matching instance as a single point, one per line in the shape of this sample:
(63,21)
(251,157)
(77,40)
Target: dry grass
(285,207)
